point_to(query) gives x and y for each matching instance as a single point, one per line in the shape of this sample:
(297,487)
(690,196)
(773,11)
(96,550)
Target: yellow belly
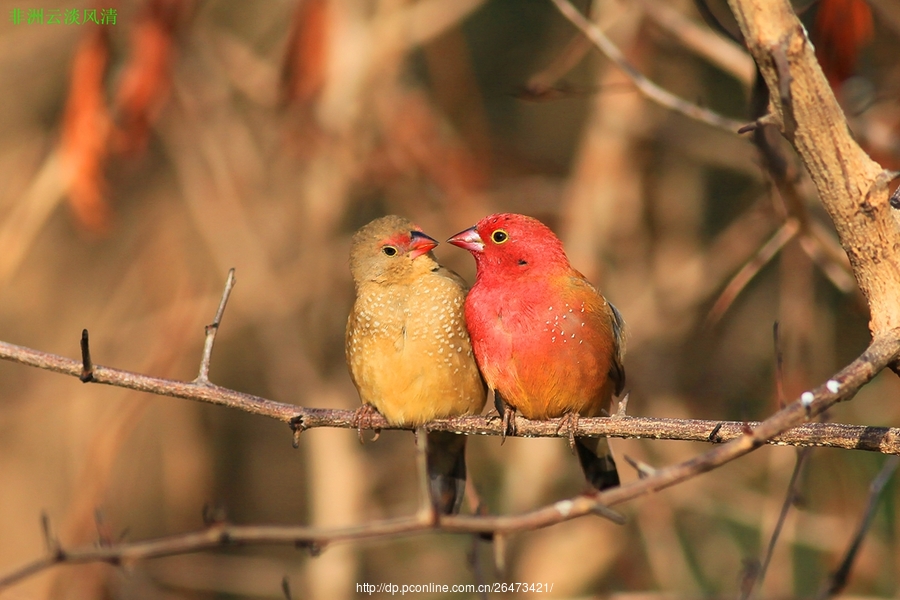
(409,353)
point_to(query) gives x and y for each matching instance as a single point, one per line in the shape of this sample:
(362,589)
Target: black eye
(390,250)
(499,236)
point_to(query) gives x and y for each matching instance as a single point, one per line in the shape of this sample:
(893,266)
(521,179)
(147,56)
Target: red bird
(547,342)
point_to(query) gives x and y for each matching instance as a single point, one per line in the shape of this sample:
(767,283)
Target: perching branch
(885,440)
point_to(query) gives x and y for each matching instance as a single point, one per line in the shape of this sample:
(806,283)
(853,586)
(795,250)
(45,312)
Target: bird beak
(420,244)
(468,240)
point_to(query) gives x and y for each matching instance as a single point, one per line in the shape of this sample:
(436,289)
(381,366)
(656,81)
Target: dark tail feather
(447,470)
(597,462)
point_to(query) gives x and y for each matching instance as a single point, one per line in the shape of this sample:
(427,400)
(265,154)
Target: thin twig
(755,578)
(544,81)
(648,88)
(789,499)
(212,329)
(773,245)
(836,274)
(717,49)
(838,579)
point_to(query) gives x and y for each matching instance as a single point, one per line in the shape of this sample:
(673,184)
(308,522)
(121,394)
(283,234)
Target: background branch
(652,91)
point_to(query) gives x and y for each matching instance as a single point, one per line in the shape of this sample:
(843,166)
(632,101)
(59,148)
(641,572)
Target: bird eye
(390,250)
(499,236)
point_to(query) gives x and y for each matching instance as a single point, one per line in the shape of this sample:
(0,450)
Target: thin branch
(836,272)
(144,383)
(838,580)
(842,386)
(757,574)
(648,88)
(885,440)
(542,83)
(212,329)
(745,275)
(220,535)
(790,499)
(717,49)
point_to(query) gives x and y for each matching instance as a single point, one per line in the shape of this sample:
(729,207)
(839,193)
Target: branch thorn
(297,427)
(643,469)
(87,369)
(622,407)
(212,329)
(53,546)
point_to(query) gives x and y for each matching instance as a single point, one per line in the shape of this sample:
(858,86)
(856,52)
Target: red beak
(468,240)
(420,244)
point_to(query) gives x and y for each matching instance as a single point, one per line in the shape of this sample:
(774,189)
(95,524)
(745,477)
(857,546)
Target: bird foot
(508,414)
(569,422)
(623,406)
(362,419)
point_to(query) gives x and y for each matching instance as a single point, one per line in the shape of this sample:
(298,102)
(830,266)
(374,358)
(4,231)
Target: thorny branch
(885,440)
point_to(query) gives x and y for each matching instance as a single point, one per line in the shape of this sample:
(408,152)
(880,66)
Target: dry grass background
(129,185)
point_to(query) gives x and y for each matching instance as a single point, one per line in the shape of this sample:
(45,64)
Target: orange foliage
(89,137)
(841,30)
(303,71)
(85,133)
(146,80)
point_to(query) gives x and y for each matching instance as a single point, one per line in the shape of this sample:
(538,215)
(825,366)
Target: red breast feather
(545,338)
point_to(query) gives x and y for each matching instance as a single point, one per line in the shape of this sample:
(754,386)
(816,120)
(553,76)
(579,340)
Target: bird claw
(569,421)
(623,406)
(508,414)
(362,419)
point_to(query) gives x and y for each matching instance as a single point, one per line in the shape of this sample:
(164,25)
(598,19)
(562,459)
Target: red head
(512,244)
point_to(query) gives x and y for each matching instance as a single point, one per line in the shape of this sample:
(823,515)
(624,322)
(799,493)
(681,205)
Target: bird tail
(447,470)
(597,462)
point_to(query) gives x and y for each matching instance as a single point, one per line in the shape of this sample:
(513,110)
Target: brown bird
(407,347)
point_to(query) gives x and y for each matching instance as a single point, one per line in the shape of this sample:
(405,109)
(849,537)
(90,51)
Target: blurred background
(141,159)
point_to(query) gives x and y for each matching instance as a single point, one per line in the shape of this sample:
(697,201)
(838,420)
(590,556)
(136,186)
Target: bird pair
(532,329)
